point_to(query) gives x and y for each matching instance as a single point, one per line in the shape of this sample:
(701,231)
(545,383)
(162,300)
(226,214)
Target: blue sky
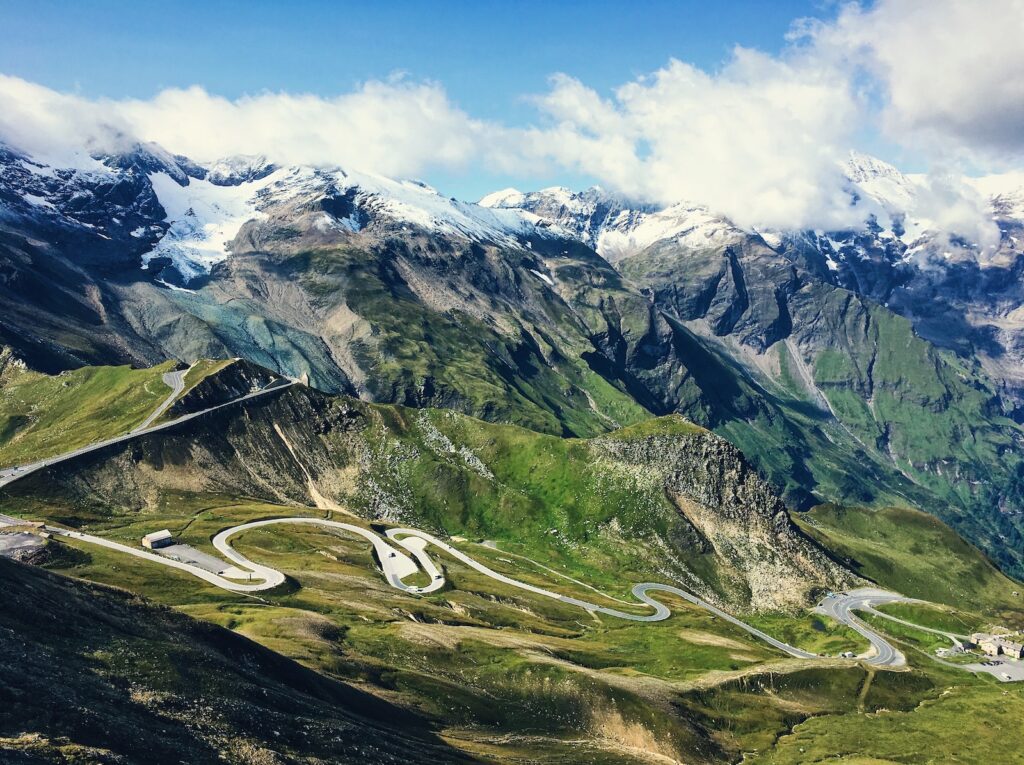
(486,53)
(704,102)
(489,56)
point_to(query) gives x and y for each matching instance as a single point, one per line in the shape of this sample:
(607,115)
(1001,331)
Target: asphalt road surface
(840,606)
(176,381)
(408,555)
(403,553)
(9,475)
(640,591)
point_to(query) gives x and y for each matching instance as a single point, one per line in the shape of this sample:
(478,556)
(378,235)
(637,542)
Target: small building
(990,646)
(158,539)
(999,645)
(1012,649)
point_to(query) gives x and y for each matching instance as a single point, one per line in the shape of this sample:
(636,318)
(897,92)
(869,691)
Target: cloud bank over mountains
(759,140)
(947,72)
(392,128)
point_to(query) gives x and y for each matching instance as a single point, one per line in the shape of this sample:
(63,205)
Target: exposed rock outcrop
(736,512)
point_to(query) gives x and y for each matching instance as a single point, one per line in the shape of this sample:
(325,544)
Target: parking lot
(1006,670)
(188,554)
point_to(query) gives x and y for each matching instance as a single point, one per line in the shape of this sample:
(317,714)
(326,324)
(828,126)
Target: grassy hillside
(936,417)
(661,498)
(96,675)
(976,723)
(916,554)
(42,415)
(571,687)
(503,674)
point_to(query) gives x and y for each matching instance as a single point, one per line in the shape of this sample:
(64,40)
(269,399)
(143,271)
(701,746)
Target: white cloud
(948,72)
(760,140)
(960,209)
(394,128)
(44,122)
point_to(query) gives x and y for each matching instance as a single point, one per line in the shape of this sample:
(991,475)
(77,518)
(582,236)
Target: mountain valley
(810,352)
(578,392)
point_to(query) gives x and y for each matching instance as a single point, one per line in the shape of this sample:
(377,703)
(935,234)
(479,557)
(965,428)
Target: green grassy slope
(202,369)
(916,554)
(96,675)
(41,415)
(976,723)
(935,617)
(507,674)
(935,417)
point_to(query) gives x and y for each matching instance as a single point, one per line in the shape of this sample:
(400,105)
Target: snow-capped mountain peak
(150,158)
(205,216)
(241,168)
(504,198)
(612,225)
(189,213)
(860,167)
(202,218)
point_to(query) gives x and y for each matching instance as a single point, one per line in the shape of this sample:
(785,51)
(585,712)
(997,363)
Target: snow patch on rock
(203,218)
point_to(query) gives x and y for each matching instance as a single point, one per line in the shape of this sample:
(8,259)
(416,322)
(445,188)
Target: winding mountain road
(640,592)
(402,552)
(176,381)
(840,606)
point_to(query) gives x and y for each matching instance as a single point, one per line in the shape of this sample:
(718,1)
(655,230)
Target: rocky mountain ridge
(388,291)
(190,213)
(959,292)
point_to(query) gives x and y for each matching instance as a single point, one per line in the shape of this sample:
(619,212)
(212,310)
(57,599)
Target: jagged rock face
(957,295)
(236,379)
(741,290)
(737,514)
(107,216)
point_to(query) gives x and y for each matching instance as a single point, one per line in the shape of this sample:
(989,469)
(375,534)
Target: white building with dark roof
(158,539)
